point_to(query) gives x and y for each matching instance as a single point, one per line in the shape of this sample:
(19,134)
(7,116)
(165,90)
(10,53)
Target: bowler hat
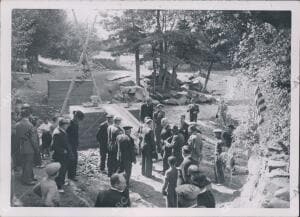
(52,168)
(127,127)
(109,116)
(217,131)
(159,105)
(116,118)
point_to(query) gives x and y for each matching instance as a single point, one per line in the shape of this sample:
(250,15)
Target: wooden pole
(83,55)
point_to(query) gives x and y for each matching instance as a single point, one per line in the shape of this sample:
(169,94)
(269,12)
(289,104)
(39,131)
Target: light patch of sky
(88,15)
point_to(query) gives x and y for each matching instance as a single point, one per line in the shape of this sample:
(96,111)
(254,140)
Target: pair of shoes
(67,182)
(61,190)
(34,179)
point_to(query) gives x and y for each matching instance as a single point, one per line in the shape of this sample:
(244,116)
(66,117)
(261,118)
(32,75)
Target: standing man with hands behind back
(102,138)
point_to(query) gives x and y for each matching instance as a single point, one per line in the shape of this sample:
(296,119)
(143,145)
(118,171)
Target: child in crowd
(170,183)
(46,137)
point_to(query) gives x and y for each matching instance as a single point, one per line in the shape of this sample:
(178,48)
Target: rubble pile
(88,163)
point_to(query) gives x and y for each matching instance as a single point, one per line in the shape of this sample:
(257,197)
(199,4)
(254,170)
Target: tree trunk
(154,64)
(207,75)
(164,81)
(137,66)
(174,76)
(161,49)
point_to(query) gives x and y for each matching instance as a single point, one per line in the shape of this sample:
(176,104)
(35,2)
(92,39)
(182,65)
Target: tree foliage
(46,32)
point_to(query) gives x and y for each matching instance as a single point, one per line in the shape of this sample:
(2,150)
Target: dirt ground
(144,192)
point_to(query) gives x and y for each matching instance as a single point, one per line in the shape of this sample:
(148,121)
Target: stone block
(283,194)
(274,164)
(275,203)
(278,173)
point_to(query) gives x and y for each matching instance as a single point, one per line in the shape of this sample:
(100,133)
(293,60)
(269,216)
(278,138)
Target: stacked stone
(57,91)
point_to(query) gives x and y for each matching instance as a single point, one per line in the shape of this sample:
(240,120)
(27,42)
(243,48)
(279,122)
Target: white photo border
(5,132)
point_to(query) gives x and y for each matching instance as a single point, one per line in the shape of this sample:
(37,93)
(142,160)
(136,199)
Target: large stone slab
(57,91)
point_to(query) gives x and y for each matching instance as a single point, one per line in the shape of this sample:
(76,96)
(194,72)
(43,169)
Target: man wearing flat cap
(126,152)
(102,138)
(113,131)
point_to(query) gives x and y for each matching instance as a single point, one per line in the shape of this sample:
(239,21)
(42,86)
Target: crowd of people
(179,146)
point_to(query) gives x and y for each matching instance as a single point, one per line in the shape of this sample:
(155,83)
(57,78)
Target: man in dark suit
(148,148)
(176,144)
(126,152)
(146,110)
(158,115)
(28,148)
(116,196)
(102,138)
(62,151)
(193,110)
(184,128)
(113,131)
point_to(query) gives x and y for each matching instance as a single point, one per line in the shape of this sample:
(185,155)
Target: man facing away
(148,148)
(146,110)
(193,110)
(102,138)
(49,191)
(28,148)
(195,143)
(117,195)
(184,177)
(184,128)
(170,183)
(126,152)
(113,131)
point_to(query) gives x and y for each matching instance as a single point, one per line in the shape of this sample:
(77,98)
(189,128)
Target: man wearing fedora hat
(102,138)
(126,152)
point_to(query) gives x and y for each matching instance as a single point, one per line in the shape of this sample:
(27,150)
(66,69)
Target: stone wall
(57,91)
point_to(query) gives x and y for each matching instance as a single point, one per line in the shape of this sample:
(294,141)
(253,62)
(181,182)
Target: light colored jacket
(195,142)
(50,194)
(26,137)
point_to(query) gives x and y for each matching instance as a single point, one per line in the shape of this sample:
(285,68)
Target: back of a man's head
(114,180)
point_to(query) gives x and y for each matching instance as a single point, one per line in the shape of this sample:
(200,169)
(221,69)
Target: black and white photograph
(151,107)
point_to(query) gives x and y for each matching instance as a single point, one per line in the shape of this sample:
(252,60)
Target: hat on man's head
(52,168)
(109,116)
(159,105)
(127,127)
(117,118)
(25,106)
(147,121)
(200,180)
(217,131)
(193,169)
(62,121)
